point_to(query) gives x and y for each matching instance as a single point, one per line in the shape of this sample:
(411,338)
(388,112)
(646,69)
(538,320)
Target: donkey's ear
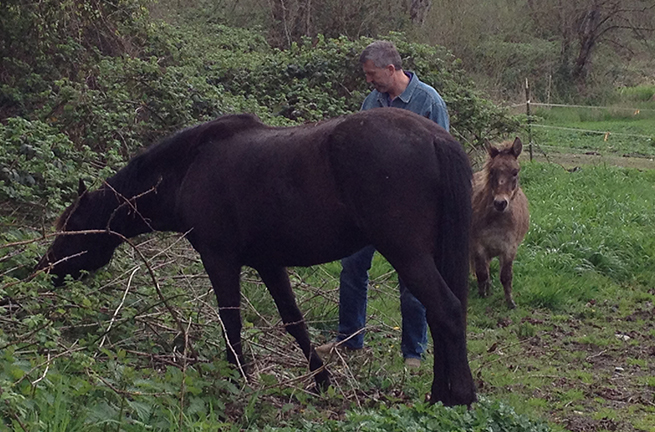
(81,188)
(491,150)
(517,147)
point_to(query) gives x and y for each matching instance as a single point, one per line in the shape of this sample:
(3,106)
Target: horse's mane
(170,158)
(60,223)
(174,154)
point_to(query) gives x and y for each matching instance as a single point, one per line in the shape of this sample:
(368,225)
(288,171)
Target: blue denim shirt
(418,97)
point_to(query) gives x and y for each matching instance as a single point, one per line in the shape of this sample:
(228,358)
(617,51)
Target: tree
(295,17)
(582,25)
(418,10)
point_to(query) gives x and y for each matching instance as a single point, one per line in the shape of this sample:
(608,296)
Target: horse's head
(502,168)
(74,250)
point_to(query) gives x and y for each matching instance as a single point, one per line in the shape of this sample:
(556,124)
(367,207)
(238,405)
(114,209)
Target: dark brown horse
(500,216)
(264,197)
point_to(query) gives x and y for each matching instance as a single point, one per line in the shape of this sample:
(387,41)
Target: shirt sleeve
(438,113)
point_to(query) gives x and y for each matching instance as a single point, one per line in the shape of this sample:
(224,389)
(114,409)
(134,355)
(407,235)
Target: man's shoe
(412,363)
(327,347)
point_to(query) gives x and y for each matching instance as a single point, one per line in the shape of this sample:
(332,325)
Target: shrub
(39,163)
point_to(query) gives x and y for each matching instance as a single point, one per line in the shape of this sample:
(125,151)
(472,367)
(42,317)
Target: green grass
(624,128)
(585,130)
(640,93)
(584,274)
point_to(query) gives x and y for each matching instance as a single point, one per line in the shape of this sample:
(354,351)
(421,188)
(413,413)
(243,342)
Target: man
(394,87)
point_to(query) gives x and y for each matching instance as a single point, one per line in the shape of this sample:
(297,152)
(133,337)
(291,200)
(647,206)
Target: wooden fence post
(527,112)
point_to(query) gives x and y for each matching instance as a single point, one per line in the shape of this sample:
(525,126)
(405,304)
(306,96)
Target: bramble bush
(39,163)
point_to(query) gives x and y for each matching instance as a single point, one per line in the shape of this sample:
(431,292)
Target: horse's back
(407,183)
(315,193)
(267,194)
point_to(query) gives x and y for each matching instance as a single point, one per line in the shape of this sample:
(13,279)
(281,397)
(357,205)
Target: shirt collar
(406,95)
(409,91)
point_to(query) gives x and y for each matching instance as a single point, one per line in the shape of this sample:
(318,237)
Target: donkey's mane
(504,148)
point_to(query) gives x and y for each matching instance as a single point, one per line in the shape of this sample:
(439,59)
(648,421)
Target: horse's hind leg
(277,281)
(506,275)
(453,382)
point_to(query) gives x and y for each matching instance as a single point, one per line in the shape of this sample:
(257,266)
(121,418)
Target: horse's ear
(517,147)
(81,188)
(491,150)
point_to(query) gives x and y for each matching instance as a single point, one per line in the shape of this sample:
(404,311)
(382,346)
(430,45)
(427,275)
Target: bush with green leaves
(146,79)
(322,78)
(37,162)
(49,40)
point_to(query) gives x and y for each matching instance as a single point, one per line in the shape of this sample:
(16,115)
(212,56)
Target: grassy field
(106,354)
(578,351)
(625,130)
(579,348)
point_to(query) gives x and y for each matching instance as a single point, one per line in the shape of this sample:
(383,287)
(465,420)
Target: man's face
(381,78)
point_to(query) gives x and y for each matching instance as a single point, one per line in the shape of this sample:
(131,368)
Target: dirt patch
(595,370)
(585,424)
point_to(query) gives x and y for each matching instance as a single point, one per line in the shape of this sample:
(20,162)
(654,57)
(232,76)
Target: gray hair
(382,53)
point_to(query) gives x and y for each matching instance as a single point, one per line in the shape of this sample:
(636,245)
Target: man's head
(381,62)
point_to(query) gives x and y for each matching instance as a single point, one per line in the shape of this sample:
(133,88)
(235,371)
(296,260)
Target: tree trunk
(418,11)
(293,18)
(587,36)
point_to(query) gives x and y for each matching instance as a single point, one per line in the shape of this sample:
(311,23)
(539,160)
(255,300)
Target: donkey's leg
(506,275)
(224,277)
(453,382)
(481,264)
(277,281)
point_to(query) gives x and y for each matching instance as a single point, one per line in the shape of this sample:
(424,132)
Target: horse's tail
(454,223)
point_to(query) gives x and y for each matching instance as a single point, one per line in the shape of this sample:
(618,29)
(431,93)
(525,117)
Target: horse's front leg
(506,276)
(224,276)
(277,281)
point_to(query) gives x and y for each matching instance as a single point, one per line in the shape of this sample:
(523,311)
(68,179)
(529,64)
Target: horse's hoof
(511,304)
(466,398)
(322,380)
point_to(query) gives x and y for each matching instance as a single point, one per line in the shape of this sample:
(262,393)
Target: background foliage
(86,84)
(113,81)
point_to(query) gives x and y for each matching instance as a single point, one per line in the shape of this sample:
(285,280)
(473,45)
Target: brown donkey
(500,216)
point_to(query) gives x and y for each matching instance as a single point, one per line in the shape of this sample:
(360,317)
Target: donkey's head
(76,248)
(502,169)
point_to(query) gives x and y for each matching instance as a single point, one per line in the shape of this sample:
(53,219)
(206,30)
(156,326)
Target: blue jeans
(352,307)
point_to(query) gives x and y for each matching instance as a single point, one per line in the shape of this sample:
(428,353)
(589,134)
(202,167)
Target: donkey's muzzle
(500,204)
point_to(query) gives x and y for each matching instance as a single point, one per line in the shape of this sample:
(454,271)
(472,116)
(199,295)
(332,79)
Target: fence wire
(643,150)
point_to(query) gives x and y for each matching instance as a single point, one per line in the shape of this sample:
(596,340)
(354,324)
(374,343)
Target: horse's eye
(515,172)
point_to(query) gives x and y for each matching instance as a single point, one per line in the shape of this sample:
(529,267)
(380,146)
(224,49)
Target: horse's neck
(125,215)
